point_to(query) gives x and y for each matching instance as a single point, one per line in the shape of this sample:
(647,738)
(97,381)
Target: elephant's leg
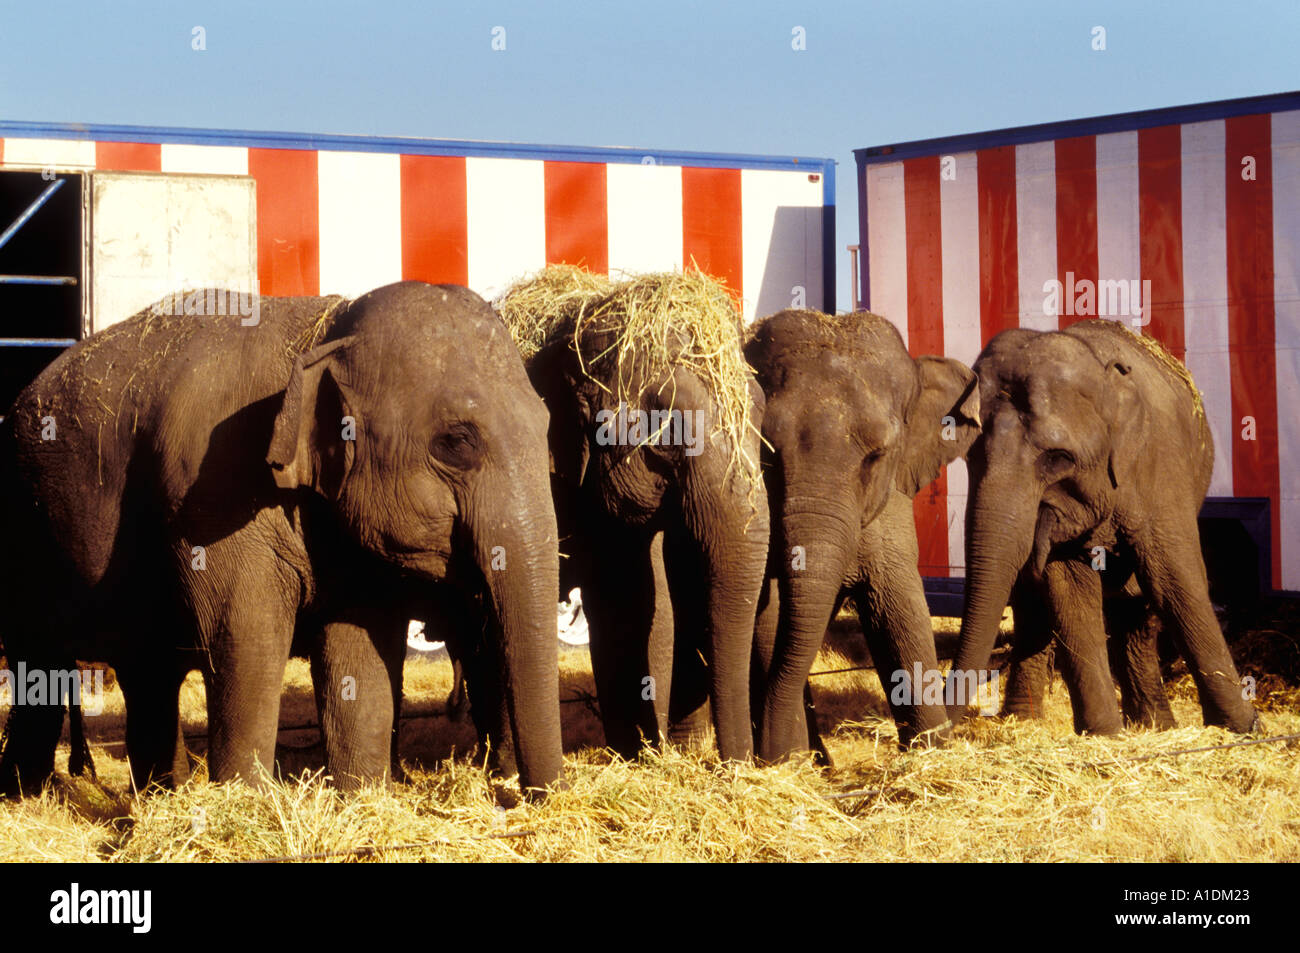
(1135,661)
(31,737)
(357,673)
(468,639)
(816,744)
(1030,669)
(1074,595)
(618,598)
(1172,571)
(155,744)
(248,648)
(896,622)
(688,712)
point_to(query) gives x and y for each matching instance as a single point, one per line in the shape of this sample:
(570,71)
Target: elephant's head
(415,421)
(1062,427)
(851,418)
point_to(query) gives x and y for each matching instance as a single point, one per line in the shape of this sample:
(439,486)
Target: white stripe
(959,228)
(1036,231)
(887,244)
(360,221)
(1205,286)
(644,205)
(52,153)
(781,236)
(507,221)
(1286,303)
(206,160)
(1119,248)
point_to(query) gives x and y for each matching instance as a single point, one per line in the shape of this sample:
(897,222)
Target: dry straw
(629,337)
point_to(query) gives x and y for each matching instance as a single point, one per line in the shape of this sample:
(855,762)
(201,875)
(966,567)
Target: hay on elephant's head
(548,303)
(630,335)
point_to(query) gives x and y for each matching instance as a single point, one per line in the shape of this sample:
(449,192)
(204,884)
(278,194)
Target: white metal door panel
(155,234)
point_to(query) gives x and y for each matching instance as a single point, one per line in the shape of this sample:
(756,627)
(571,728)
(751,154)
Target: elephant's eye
(1055,464)
(459,446)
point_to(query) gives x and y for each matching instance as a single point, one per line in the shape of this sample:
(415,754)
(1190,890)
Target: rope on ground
(1178,751)
(871,792)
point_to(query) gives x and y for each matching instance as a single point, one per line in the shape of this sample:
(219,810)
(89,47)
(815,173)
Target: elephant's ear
(309,445)
(1126,422)
(570,412)
(944,422)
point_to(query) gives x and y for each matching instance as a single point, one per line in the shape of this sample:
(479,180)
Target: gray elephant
(856,428)
(662,513)
(190,492)
(1094,459)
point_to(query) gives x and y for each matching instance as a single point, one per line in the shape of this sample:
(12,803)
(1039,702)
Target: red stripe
(128,156)
(288,221)
(1251,342)
(1160,203)
(711,223)
(577,218)
(999,266)
(925,335)
(435,220)
(1076,221)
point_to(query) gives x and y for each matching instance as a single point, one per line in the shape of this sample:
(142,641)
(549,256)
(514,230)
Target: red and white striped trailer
(1184,222)
(152,209)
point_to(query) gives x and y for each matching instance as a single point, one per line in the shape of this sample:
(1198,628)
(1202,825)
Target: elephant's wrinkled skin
(1091,446)
(210,488)
(856,428)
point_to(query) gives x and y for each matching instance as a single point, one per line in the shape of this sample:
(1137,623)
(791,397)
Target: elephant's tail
(80,757)
(458,699)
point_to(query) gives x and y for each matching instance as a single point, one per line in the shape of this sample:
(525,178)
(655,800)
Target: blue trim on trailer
(37,342)
(829,251)
(1117,122)
(403,145)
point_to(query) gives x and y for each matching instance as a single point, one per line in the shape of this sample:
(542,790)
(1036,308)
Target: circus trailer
(101,221)
(1183,223)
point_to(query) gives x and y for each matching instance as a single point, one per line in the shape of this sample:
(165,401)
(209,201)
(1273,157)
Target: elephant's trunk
(731,533)
(816,538)
(1001,515)
(516,550)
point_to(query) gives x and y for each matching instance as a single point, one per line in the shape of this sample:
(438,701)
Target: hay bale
(629,335)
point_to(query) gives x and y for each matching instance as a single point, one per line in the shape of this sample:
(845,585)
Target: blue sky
(719,77)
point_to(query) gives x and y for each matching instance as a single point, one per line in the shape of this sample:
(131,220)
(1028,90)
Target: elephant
(855,427)
(198,491)
(667,538)
(1093,460)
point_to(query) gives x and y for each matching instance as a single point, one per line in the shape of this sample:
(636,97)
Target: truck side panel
(1188,231)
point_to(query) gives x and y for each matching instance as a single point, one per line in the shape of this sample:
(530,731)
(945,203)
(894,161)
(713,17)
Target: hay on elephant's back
(635,332)
(1160,354)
